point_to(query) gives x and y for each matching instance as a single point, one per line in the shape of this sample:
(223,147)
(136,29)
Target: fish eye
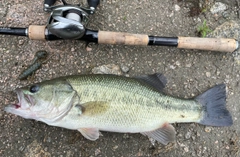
(34,88)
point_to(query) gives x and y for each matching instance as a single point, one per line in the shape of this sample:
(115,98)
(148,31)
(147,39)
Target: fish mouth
(16,106)
(24,100)
(23,105)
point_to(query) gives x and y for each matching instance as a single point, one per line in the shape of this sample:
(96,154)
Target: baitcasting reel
(69,21)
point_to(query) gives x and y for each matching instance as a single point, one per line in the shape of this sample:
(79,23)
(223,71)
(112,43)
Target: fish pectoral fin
(164,135)
(92,108)
(90,133)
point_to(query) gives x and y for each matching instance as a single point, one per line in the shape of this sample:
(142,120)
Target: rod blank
(13,31)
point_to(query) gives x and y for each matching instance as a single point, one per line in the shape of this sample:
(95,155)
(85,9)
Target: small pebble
(62,63)
(125,136)
(152,141)
(198,134)
(21,148)
(20,42)
(186,149)
(172,67)
(188,135)
(177,7)
(207,129)
(188,65)
(226,15)
(49,139)
(115,147)
(107,69)
(208,74)
(178,63)
(124,68)
(97,152)
(88,49)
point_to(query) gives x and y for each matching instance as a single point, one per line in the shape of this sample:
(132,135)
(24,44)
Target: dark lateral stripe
(191,105)
(163,41)
(181,108)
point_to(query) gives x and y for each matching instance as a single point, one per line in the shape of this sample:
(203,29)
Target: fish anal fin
(165,134)
(90,133)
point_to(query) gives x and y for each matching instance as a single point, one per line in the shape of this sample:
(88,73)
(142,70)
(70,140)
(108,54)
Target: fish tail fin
(215,112)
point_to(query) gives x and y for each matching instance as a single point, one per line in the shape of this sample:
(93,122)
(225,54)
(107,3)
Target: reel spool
(68,22)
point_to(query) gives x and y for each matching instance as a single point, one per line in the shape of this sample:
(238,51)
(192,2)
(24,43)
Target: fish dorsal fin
(163,135)
(157,80)
(90,133)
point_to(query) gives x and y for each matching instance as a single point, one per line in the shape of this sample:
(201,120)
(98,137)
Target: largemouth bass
(89,103)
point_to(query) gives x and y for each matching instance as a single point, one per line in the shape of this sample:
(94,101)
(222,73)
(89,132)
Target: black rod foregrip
(90,36)
(13,31)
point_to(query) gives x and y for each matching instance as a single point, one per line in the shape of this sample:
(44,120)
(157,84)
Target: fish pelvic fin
(157,80)
(90,133)
(215,112)
(164,135)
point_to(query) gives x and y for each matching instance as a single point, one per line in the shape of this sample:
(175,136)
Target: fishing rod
(69,22)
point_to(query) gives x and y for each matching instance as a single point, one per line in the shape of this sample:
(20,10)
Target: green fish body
(89,103)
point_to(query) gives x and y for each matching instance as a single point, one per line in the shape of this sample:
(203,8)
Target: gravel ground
(189,73)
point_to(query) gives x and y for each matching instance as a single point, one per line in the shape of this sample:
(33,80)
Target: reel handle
(93,3)
(48,3)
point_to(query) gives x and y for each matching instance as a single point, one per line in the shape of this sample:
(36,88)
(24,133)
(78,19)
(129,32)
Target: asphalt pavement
(189,73)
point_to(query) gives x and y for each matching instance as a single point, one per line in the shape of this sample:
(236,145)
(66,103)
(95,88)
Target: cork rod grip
(105,37)
(36,32)
(211,44)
